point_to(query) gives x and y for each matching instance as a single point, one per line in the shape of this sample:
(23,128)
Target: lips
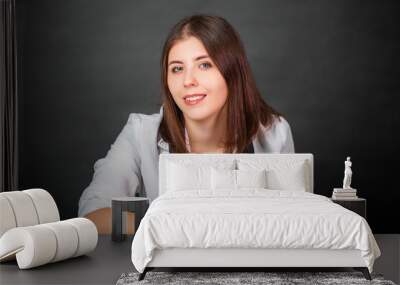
(193,99)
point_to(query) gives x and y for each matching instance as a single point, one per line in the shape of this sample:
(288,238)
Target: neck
(207,135)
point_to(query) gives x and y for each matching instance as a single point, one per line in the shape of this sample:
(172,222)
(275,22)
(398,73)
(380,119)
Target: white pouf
(40,244)
(33,246)
(66,238)
(45,205)
(23,208)
(31,231)
(87,233)
(7,218)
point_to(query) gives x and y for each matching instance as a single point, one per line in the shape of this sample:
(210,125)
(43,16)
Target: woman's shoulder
(145,120)
(141,129)
(277,137)
(279,125)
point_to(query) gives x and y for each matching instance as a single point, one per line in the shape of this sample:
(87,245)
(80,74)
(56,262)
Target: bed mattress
(250,219)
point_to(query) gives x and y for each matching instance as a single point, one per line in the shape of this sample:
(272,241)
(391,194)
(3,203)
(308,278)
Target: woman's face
(191,71)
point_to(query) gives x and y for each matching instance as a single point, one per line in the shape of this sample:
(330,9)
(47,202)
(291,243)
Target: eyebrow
(197,58)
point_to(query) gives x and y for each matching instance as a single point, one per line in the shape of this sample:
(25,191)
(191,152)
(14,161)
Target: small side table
(358,205)
(121,205)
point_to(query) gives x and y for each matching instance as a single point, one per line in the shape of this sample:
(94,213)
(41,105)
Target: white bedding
(250,218)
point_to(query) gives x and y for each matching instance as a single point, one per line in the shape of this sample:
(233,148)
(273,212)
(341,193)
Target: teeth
(194,98)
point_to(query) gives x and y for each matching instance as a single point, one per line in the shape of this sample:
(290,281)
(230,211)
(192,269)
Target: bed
(244,211)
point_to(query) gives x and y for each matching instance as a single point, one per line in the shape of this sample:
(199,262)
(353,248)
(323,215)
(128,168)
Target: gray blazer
(131,164)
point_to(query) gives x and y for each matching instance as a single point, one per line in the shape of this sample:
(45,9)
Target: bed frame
(248,259)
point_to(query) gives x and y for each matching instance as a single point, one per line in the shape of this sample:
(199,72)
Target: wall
(331,67)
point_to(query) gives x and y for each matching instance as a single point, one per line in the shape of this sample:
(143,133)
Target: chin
(198,115)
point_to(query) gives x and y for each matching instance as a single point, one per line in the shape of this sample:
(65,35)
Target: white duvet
(251,218)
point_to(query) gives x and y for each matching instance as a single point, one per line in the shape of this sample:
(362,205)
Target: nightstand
(358,205)
(120,206)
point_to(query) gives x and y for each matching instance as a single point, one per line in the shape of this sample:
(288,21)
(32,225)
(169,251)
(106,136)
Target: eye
(175,69)
(206,65)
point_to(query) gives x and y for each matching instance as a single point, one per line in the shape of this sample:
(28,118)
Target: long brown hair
(246,108)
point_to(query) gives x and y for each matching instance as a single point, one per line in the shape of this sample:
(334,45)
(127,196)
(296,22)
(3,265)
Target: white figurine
(347,174)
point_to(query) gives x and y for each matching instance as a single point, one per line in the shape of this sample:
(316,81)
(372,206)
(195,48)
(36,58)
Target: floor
(388,263)
(111,259)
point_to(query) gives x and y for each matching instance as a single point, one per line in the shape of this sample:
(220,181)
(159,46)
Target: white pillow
(237,179)
(281,174)
(223,179)
(292,179)
(186,174)
(251,178)
(181,178)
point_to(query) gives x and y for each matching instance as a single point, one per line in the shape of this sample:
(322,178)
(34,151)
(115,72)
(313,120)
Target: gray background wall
(331,67)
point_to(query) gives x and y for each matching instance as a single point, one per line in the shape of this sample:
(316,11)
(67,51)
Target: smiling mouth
(193,100)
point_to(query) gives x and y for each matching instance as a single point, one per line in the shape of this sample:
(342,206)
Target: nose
(189,79)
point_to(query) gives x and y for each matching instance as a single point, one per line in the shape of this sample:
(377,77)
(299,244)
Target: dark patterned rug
(272,278)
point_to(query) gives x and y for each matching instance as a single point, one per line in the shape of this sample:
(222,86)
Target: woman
(210,104)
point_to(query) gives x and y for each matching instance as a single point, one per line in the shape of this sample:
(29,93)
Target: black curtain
(8,97)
